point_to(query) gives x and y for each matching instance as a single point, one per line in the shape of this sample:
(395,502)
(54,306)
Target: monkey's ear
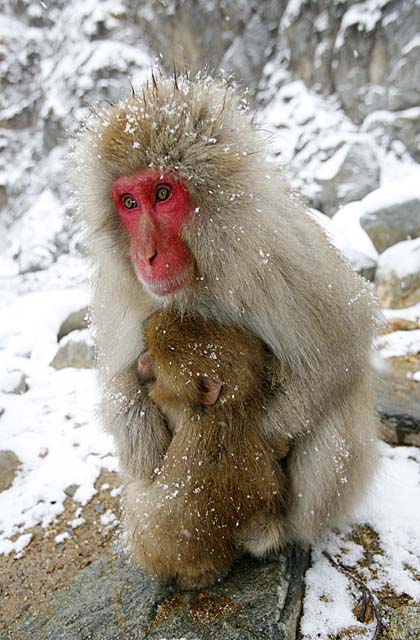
(208,391)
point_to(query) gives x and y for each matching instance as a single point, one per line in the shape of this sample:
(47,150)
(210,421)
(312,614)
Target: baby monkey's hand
(205,391)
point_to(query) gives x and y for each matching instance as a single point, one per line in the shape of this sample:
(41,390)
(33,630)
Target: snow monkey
(220,489)
(187,212)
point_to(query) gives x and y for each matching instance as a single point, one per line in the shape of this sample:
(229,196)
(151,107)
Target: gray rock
(404,78)
(368,57)
(36,259)
(400,28)
(112,599)
(14,382)
(404,623)
(397,275)
(77,320)
(303,28)
(9,466)
(237,37)
(361,263)
(359,65)
(76,350)
(71,490)
(35,241)
(245,58)
(350,174)
(392,214)
(398,404)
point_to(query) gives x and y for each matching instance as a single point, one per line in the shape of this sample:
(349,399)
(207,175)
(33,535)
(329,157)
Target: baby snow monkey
(220,489)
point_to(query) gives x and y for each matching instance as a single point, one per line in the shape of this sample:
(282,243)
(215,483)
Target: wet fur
(264,265)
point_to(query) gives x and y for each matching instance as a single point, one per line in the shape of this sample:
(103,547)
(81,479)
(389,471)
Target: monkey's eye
(129,202)
(162,193)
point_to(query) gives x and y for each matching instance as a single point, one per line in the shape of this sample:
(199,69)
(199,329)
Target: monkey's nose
(147,254)
(147,246)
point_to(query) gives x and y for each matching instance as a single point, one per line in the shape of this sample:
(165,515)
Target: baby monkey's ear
(208,391)
(146,368)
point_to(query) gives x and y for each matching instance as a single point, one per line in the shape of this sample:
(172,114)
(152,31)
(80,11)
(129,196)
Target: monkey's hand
(204,390)
(146,368)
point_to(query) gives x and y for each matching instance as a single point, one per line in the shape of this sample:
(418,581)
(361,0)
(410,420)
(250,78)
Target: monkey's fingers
(146,368)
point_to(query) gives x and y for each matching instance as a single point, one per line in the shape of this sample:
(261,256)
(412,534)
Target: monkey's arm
(141,435)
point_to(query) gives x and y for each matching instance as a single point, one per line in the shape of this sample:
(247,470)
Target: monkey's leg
(264,534)
(203,579)
(330,467)
(162,545)
(141,435)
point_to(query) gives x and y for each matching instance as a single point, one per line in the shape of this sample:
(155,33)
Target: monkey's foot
(199,580)
(262,536)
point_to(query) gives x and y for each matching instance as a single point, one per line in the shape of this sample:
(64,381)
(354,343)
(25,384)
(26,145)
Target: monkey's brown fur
(262,265)
(219,477)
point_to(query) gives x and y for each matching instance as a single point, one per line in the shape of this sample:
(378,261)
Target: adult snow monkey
(186,212)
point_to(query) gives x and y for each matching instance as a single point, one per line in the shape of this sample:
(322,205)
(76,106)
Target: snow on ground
(52,427)
(402,260)
(399,343)
(391,511)
(409,313)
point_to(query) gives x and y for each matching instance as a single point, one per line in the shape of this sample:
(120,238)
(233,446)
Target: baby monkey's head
(194,362)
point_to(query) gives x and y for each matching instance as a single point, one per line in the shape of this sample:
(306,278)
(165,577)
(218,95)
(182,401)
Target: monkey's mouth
(171,285)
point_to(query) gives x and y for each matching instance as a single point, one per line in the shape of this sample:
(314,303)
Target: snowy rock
(392,213)
(404,78)
(348,232)
(388,126)
(399,344)
(412,314)
(360,60)
(345,233)
(13,382)
(76,320)
(361,263)
(398,275)
(353,242)
(237,37)
(366,52)
(244,55)
(8,267)
(37,259)
(35,239)
(350,174)
(9,466)
(77,350)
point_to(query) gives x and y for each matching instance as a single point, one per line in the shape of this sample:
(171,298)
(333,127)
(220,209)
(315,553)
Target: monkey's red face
(153,208)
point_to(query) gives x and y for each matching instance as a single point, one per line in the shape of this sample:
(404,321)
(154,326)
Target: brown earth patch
(400,324)
(26,583)
(205,609)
